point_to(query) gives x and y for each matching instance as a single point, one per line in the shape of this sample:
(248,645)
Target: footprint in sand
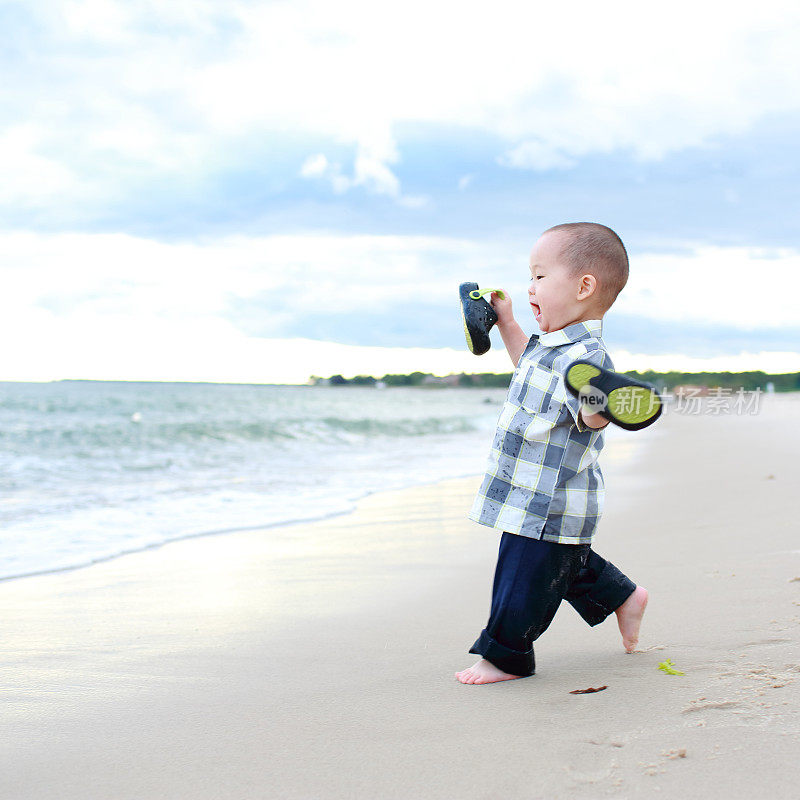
(699,705)
(766,642)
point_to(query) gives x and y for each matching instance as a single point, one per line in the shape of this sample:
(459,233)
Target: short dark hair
(594,248)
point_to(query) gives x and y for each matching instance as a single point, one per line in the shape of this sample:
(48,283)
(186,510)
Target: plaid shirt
(543,463)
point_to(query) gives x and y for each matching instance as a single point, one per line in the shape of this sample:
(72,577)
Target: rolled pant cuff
(610,592)
(514,662)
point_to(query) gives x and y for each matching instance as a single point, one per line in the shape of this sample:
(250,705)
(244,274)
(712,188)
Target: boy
(543,487)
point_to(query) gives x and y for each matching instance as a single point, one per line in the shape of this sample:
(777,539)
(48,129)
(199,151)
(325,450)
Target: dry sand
(317,660)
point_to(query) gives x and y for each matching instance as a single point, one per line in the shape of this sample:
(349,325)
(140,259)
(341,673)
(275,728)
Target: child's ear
(588,286)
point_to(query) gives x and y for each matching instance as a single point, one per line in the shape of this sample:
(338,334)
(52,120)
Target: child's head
(577,271)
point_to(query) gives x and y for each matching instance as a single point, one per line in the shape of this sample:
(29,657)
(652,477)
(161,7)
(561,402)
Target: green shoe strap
(476,294)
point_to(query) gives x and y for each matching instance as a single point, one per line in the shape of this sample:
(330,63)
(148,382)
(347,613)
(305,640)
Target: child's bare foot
(629,617)
(484,671)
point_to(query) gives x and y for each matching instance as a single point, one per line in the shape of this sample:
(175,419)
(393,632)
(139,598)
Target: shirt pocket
(523,393)
(537,393)
(516,388)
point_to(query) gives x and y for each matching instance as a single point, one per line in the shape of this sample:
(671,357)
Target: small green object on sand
(669,667)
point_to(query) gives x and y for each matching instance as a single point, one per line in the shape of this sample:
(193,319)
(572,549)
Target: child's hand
(502,307)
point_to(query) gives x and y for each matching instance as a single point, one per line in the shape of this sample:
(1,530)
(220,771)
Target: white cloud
(293,360)
(28,175)
(613,81)
(554,81)
(537,156)
(297,359)
(742,286)
(118,306)
(414,201)
(464,181)
(315,166)
(747,361)
(369,171)
(318,166)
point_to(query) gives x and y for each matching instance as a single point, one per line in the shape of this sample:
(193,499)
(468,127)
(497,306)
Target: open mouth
(536,310)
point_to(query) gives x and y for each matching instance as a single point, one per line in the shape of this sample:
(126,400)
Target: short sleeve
(599,357)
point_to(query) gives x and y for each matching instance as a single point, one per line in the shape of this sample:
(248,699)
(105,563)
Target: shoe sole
(628,403)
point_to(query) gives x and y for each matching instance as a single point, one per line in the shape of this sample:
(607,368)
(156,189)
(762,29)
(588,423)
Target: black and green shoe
(478,316)
(625,402)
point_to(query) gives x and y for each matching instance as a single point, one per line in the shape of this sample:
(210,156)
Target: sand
(317,660)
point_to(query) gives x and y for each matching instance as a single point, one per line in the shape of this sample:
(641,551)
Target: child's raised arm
(514,338)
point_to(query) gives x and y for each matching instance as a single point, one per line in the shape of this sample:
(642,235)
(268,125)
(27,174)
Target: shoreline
(178,473)
(317,659)
(225,531)
(620,447)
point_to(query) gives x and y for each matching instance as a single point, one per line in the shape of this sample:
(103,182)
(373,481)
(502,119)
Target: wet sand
(316,660)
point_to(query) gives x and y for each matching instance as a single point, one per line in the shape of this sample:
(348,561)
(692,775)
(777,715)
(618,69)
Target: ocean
(92,470)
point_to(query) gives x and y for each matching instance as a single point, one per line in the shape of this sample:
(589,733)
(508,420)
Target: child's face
(552,293)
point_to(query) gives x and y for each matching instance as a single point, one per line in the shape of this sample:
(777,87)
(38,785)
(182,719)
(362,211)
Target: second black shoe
(626,402)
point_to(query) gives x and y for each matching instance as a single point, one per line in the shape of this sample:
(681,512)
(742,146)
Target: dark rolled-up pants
(531,579)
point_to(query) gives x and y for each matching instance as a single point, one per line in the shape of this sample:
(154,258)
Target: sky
(259,192)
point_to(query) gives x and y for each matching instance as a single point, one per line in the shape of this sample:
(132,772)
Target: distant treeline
(749,381)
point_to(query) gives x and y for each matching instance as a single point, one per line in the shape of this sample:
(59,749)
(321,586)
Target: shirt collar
(573,333)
